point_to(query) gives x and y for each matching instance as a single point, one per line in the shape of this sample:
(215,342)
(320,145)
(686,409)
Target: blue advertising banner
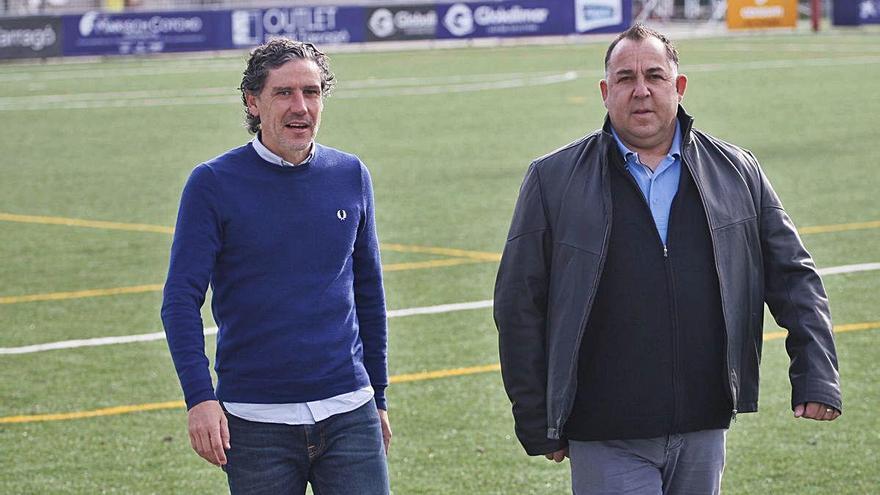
(532,18)
(869,11)
(99,33)
(319,25)
(402,22)
(501,19)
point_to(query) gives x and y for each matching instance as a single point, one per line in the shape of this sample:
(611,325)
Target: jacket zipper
(730,386)
(673,306)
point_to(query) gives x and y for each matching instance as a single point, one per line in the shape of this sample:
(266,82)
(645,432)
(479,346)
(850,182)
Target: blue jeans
(343,454)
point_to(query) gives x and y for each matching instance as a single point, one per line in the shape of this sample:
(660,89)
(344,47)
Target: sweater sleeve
(369,295)
(194,250)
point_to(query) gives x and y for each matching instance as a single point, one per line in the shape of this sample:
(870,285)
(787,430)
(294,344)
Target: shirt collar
(270,157)
(674,149)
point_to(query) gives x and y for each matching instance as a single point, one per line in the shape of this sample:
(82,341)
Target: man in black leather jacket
(629,300)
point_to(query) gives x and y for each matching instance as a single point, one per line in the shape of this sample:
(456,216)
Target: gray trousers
(681,464)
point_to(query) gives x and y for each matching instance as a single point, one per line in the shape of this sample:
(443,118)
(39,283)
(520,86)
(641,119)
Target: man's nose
(641,88)
(298,102)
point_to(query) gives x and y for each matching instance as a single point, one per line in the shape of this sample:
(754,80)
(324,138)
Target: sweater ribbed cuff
(379,396)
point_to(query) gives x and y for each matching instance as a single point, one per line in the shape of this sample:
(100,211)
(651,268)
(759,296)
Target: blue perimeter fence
(102,33)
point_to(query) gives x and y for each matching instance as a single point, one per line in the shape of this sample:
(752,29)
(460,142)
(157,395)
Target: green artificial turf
(446,168)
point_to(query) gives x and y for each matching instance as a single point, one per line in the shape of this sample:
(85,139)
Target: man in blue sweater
(283,229)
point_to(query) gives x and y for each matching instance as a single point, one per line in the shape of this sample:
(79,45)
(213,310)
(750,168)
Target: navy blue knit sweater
(293,260)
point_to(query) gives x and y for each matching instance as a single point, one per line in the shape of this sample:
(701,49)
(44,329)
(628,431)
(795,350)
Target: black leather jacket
(555,253)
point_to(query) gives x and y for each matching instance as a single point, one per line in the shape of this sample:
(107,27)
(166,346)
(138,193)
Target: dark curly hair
(274,54)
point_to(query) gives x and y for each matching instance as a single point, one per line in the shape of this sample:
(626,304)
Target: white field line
(376,88)
(782,64)
(147,337)
(519,82)
(106,73)
(33,73)
(862,267)
(213,96)
(230,91)
(397,313)
(790,48)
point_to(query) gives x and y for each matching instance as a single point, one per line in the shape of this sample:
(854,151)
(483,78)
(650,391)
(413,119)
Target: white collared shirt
(270,157)
(301,413)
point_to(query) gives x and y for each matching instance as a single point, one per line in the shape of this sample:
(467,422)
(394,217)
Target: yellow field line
(430,375)
(161,229)
(113,411)
(408,377)
(94,224)
(60,296)
(137,289)
(463,253)
(403,248)
(416,265)
(852,327)
(107,411)
(458,257)
(840,227)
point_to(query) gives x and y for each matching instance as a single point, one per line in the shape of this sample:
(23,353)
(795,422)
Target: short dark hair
(274,54)
(640,32)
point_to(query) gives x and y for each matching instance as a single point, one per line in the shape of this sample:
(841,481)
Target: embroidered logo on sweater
(341,215)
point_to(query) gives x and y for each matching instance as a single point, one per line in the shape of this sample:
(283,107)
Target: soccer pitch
(94,156)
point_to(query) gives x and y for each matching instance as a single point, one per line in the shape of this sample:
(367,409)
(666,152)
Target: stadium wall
(103,33)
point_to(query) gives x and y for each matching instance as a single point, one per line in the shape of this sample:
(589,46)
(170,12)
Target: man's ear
(681,82)
(603,88)
(251,100)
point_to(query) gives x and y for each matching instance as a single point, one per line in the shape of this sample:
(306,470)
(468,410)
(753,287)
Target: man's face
(641,93)
(289,108)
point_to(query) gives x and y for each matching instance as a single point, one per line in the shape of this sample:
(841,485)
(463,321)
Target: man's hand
(209,432)
(817,411)
(557,456)
(386,429)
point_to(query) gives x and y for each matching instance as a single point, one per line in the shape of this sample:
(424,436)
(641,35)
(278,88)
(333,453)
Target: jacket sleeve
(797,300)
(520,310)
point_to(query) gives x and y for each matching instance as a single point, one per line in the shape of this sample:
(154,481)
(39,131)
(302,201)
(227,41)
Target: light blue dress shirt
(658,186)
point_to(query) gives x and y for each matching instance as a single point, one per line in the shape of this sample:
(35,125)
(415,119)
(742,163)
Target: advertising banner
(319,25)
(99,33)
(869,11)
(532,18)
(752,14)
(502,19)
(402,22)
(602,16)
(28,37)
